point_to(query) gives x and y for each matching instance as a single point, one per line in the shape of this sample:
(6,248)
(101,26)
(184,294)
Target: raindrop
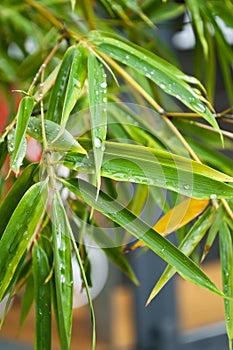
(162,86)
(127,57)
(97,93)
(213,196)
(148,75)
(186,187)
(105,99)
(97,142)
(199,107)
(103,85)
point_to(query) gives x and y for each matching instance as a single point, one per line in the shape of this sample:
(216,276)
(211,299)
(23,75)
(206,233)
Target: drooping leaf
(18,235)
(166,76)
(127,162)
(97,87)
(197,22)
(23,115)
(65,142)
(42,290)
(139,229)
(62,270)
(10,202)
(226,257)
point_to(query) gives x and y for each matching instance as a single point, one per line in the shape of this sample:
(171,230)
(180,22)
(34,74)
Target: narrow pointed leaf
(3,152)
(18,235)
(76,79)
(126,162)
(213,231)
(97,87)
(59,89)
(226,257)
(65,142)
(139,229)
(62,270)
(42,290)
(197,21)
(156,69)
(10,202)
(23,115)
(190,241)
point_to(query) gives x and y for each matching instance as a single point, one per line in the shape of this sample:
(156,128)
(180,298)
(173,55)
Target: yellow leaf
(177,217)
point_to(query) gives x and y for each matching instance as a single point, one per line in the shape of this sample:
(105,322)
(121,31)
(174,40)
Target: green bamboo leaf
(57,96)
(108,245)
(165,75)
(10,202)
(65,141)
(62,269)
(23,115)
(226,257)
(126,162)
(27,300)
(139,229)
(42,290)
(18,235)
(187,246)
(97,87)
(198,23)
(76,79)
(218,218)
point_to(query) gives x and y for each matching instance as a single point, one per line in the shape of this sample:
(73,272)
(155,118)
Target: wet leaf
(133,163)
(63,270)
(18,235)
(139,229)
(97,87)
(42,290)
(10,202)
(23,115)
(64,143)
(166,76)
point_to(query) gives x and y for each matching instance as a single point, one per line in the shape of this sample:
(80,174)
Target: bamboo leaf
(214,229)
(226,257)
(198,23)
(97,86)
(187,246)
(23,115)
(65,141)
(59,89)
(166,76)
(62,270)
(76,79)
(139,229)
(3,152)
(10,202)
(139,164)
(42,298)
(18,235)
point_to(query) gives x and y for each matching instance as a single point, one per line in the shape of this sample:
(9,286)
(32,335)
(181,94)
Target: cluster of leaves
(84,63)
